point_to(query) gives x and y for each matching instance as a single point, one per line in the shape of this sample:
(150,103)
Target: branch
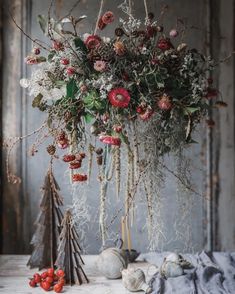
(27,35)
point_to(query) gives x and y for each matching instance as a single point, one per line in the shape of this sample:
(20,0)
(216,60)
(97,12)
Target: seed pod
(99,159)
(51,149)
(99,151)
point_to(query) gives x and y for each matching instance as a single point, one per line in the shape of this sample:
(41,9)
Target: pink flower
(108,17)
(119,97)
(110,140)
(173,33)
(58,46)
(31,60)
(165,103)
(146,115)
(70,71)
(93,41)
(64,61)
(100,65)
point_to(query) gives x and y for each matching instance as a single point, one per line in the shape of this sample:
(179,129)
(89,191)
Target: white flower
(24,83)
(106,39)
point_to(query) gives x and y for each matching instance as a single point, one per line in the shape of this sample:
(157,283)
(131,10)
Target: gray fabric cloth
(212,273)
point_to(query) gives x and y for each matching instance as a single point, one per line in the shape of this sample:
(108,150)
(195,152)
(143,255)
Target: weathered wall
(20,203)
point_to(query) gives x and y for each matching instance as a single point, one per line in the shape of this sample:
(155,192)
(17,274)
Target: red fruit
(60,273)
(32,283)
(139,109)
(79,178)
(50,280)
(70,71)
(93,42)
(50,272)
(165,103)
(110,140)
(68,157)
(64,61)
(58,46)
(45,286)
(37,278)
(62,281)
(44,275)
(58,288)
(164,44)
(36,51)
(119,97)
(75,164)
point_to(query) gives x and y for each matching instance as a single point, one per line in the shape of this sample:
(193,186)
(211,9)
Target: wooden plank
(11,105)
(14,277)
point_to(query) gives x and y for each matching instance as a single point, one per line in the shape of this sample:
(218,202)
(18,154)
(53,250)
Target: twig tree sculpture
(69,258)
(46,236)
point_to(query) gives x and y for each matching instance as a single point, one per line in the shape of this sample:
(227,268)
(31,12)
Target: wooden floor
(14,277)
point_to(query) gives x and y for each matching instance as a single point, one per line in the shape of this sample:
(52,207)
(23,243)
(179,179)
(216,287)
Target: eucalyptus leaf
(80,19)
(42,22)
(37,100)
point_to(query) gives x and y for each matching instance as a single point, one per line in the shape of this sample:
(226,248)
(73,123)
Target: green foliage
(71,89)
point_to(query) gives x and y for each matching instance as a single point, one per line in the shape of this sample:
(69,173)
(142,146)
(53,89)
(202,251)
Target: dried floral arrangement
(95,88)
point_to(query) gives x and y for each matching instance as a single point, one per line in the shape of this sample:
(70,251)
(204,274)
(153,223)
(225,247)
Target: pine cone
(51,149)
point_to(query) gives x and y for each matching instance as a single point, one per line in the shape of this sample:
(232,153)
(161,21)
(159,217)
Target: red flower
(108,17)
(119,97)
(75,164)
(68,157)
(164,44)
(79,177)
(93,42)
(110,140)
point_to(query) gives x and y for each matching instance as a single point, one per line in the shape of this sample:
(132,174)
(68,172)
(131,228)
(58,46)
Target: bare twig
(27,35)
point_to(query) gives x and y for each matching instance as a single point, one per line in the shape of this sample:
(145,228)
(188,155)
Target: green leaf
(41,59)
(88,118)
(51,55)
(42,22)
(72,89)
(37,100)
(191,110)
(80,45)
